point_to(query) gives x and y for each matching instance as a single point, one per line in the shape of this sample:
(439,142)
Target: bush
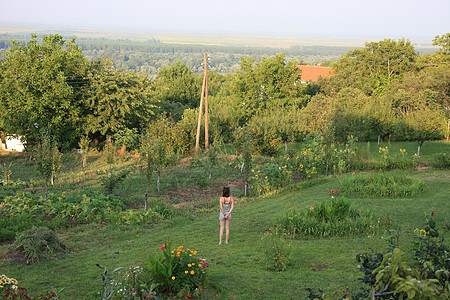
(441,161)
(176,269)
(113,180)
(278,251)
(39,243)
(270,177)
(382,185)
(334,218)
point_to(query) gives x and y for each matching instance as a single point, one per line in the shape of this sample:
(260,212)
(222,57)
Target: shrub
(39,243)
(270,177)
(278,251)
(19,212)
(127,283)
(334,218)
(382,185)
(441,161)
(177,269)
(113,180)
(395,274)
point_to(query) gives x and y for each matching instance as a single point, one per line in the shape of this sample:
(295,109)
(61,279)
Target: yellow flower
(301,166)
(189,265)
(415,230)
(173,277)
(185,272)
(192,272)
(199,265)
(423,232)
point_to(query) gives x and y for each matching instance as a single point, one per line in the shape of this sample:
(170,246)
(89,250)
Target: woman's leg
(222,223)
(227,229)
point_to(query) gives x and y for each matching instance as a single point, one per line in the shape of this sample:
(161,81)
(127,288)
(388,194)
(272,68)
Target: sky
(383,18)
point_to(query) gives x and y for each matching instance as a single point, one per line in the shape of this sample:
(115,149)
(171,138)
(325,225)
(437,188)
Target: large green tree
(177,89)
(118,100)
(373,67)
(273,82)
(41,85)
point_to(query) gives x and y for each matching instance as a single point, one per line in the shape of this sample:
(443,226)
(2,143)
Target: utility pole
(204,95)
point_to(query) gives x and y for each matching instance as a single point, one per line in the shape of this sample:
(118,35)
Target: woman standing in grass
(226,207)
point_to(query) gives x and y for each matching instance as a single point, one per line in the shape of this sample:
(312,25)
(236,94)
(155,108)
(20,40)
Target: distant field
(262,40)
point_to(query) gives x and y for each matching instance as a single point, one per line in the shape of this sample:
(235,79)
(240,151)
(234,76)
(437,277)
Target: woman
(226,207)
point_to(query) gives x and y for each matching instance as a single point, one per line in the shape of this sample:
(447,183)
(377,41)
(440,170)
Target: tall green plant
(109,151)
(84,147)
(48,158)
(6,172)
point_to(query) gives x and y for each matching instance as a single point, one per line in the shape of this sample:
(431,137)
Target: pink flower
(311,208)
(332,192)
(163,247)
(338,191)
(353,173)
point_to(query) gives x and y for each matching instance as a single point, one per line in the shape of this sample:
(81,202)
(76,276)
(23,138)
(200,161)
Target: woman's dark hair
(226,192)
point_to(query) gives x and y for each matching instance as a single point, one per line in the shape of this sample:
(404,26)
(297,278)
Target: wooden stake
(206,105)
(205,95)
(197,139)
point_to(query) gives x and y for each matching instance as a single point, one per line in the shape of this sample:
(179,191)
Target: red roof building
(312,73)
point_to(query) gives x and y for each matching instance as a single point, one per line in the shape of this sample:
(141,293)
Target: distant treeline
(152,55)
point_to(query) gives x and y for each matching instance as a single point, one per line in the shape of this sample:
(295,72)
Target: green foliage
(442,161)
(48,158)
(399,161)
(311,159)
(6,173)
(334,218)
(125,283)
(119,101)
(12,225)
(382,185)
(176,269)
(278,251)
(177,89)
(113,179)
(84,147)
(109,151)
(127,137)
(39,243)
(269,83)
(372,68)
(41,86)
(270,177)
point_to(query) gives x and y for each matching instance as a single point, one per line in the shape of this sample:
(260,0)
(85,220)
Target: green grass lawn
(240,268)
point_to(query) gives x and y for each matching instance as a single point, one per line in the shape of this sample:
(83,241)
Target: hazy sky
(384,18)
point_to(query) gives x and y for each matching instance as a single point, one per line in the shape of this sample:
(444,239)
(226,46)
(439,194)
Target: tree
(371,69)
(273,82)
(380,117)
(177,89)
(243,142)
(48,158)
(41,85)
(84,147)
(117,100)
(423,124)
(159,147)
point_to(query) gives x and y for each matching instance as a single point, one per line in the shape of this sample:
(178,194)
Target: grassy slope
(239,269)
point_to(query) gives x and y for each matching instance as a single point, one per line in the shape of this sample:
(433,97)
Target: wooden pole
(197,139)
(206,102)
